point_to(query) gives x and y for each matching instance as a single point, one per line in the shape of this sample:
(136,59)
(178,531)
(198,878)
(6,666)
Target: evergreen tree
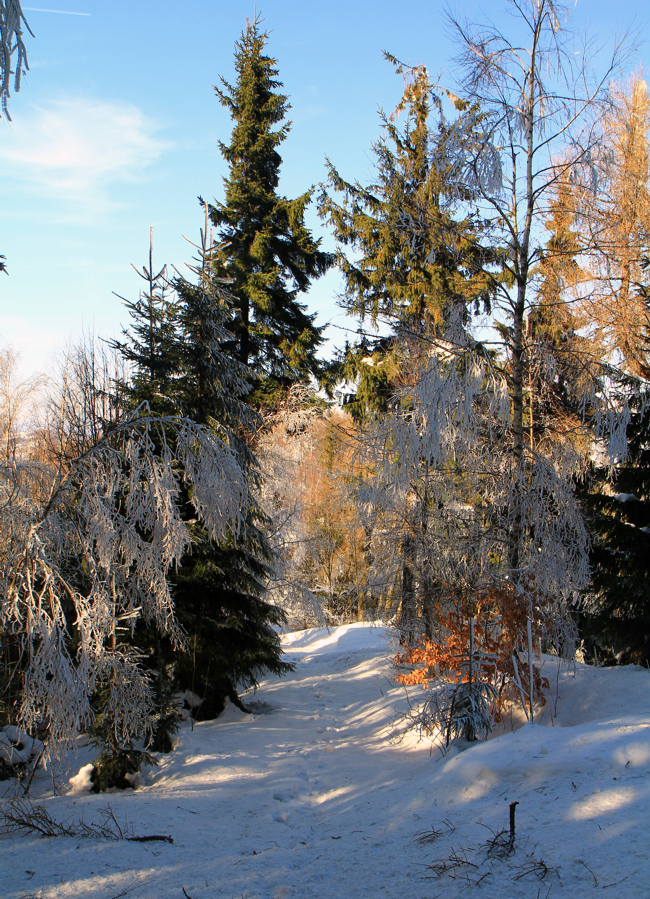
(413,267)
(182,364)
(219,589)
(151,346)
(268,252)
(617,617)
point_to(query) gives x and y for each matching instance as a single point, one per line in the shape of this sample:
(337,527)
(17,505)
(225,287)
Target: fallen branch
(20,816)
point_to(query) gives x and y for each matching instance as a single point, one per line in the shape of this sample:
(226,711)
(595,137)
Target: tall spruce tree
(413,267)
(268,252)
(180,349)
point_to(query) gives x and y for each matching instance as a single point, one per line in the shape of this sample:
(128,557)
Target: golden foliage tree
(616,227)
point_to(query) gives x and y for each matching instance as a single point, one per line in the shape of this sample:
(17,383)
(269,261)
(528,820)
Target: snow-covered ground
(310,797)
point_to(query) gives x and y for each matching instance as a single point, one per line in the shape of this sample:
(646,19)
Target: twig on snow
(20,815)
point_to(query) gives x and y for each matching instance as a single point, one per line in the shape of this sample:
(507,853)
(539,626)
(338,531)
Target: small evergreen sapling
(119,760)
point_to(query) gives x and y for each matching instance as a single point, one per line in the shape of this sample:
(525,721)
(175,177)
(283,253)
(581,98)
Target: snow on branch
(461,509)
(92,556)
(11,42)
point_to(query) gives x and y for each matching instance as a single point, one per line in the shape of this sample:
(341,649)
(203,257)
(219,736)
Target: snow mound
(81,782)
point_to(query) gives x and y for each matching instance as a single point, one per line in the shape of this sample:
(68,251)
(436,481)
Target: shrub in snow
(463,710)
(470,668)
(118,767)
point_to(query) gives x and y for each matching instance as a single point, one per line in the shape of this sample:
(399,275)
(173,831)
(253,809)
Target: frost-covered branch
(94,556)
(12,20)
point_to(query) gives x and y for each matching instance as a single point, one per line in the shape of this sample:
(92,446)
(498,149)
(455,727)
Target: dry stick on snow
(513,808)
(126,890)
(430,836)
(539,868)
(20,815)
(584,865)
(502,844)
(456,861)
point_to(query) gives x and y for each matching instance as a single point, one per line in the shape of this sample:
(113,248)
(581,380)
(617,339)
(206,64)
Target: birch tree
(539,110)
(89,540)
(493,476)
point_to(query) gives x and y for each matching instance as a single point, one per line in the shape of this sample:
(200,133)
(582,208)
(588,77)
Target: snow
(313,795)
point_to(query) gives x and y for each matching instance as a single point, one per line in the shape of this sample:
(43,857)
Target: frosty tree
(477,471)
(89,538)
(536,112)
(11,45)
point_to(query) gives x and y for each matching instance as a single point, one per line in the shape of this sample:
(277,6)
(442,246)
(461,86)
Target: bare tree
(539,109)
(17,400)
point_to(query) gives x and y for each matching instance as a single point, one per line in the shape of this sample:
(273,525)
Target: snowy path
(309,798)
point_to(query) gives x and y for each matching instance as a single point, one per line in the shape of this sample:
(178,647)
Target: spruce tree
(150,346)
(414,267)
(180,349)
(617,617)
(220,589)
(268,252)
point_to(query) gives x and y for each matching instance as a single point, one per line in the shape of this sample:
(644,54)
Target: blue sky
(115,129)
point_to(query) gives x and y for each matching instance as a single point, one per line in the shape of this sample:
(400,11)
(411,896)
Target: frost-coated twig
(11,42)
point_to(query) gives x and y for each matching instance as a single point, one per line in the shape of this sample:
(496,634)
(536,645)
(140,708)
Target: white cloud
(76,149)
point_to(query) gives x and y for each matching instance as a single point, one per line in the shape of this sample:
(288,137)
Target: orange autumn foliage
(500,620)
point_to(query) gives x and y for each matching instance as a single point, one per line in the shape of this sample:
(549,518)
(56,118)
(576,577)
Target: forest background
(204,486)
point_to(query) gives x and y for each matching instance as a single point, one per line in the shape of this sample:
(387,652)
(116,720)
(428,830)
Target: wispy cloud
(78,149)
(61,12)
